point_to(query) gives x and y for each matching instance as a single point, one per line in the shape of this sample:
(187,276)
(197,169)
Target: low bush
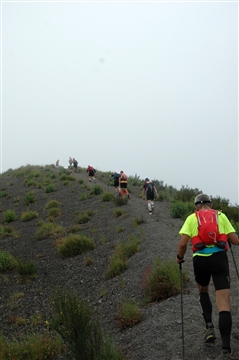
(162,281)
(29,215)
(119,260)
(53,204)
(119,212)
(138,220)
(26,269)
(96,190)
(80,329)
(129,314)
(48,230)
(7,261)
(6,230)
(9,216)
(74,244)
(120,201)
(50,188)
(181,209)
(54,212)
(32,346)
(29,198)
(3,194)
(108,196)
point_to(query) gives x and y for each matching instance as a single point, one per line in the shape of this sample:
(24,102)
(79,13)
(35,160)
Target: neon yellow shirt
(190,228)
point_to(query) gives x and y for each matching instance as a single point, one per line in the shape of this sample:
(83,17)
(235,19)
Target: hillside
(158,336)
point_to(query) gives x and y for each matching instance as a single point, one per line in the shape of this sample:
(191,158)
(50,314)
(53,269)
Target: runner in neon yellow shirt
(211,262)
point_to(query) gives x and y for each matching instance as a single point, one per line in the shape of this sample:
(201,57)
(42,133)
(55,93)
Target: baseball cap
(202,199)
(146,179)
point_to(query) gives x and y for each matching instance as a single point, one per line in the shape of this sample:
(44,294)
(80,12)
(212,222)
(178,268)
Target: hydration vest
(208,232)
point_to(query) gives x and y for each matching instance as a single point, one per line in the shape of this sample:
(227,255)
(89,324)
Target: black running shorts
(123,185)
(149,195)
(116,183)
(91,173)
(215,266)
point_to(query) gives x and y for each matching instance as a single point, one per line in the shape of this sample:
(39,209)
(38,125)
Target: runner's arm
(182,247)
(155,191)
(233,238)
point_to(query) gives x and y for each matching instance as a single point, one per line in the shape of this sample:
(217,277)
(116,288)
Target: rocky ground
(159,335)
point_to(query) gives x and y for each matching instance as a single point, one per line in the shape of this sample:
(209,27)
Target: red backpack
(208,232)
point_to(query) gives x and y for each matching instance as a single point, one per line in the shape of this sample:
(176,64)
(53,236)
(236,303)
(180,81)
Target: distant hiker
(150,190)
(210,261)
(123,182)
(70,161)
(116,177)
(57,163)
(75,163)
(91,172)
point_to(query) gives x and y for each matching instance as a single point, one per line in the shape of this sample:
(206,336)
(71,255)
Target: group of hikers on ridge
(149,189)
(211,234)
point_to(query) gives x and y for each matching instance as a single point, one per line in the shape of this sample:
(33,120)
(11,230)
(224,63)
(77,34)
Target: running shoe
(209,336)
(150,213)
(227,356)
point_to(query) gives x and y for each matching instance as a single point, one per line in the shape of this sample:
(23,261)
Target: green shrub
(26,269)
(29,215)
(73,245)
(75,228)
(117,266)
(6,230)
(29,198)
(7,261)
(48,230)
(119,200)
(162,281)
(119,212)
(108,196)
(32,346)
(81,181)
(186,194)
(118,263)
(50,188)
(119,229)
(54,212)
(129,314)
(67,177)
(181,209)
(53,204)
(9,216)
(83,218)
(138,220)
(3,194)
(96,190)
(80,329)
(83,196)
(30,183)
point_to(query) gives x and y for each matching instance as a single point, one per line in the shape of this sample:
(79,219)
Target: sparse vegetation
(33,346)
(162,281)
(29,198)
(119,260)
(48,230)
(129,314)
(80,329)
(9,216)
(29,215)
(73,245)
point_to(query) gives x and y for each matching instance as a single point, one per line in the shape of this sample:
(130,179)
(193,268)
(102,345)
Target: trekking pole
(181,290)
(230,246)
